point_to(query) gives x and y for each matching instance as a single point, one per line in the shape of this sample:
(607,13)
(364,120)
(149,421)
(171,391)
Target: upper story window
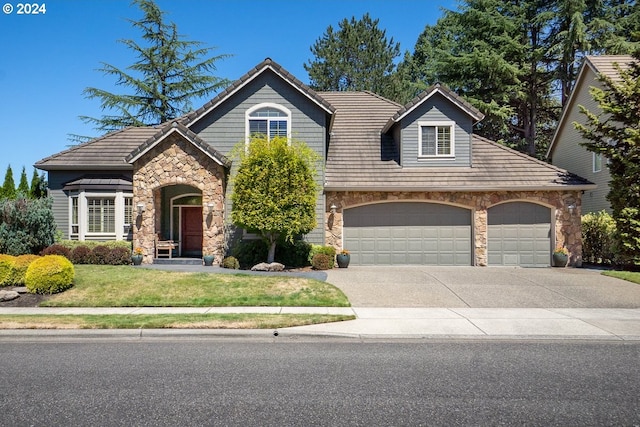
(436,139)
(597,162)
(270,120)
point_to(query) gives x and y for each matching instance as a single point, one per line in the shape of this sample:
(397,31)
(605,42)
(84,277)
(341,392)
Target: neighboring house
(401,184)
(565,150)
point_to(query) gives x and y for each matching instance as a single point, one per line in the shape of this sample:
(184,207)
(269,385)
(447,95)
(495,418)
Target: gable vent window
(436,139)
(269,120)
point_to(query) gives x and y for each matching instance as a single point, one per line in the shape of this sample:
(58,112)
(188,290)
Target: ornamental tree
(614,132)
(274,189)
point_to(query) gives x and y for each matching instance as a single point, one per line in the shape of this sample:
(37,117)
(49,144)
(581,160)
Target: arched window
(270,120)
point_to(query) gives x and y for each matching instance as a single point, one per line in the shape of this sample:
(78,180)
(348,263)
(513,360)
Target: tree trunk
(272,252)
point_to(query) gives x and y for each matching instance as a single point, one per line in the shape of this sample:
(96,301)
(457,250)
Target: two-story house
(565,150)
(401,184)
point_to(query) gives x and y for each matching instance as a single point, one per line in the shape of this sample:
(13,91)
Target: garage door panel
(519,233)
(408,233)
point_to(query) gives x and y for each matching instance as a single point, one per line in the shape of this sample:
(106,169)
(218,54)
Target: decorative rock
(8,295)
(263,266)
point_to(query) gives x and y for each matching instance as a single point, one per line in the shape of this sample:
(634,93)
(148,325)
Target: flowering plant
(344,252)
(137,251)
(561,251)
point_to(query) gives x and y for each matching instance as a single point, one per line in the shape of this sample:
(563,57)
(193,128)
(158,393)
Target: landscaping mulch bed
(24,300)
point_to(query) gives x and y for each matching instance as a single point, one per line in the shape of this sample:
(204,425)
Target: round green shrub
(330,251)
(49,274)
(230,262)
(20,266)
(321,262)
(6,268)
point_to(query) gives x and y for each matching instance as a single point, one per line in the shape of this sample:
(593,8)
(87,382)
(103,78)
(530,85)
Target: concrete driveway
(482,287)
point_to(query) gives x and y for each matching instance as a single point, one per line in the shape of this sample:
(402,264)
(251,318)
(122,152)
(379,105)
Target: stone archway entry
(191,231)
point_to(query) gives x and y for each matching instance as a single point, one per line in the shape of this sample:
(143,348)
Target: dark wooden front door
(192,231)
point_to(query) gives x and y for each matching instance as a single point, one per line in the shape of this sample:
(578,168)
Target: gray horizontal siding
(437,109)
(224,128)
(570,155)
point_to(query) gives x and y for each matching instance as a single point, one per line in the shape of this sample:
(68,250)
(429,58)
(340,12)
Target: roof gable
(591,67)
(175,127)
(416,102)
(268,65)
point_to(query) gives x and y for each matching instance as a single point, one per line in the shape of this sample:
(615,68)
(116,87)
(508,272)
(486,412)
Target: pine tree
(23,186)
(356,57)
(38,187)
(614,132)
(167,75)
(9,186)
(511,60)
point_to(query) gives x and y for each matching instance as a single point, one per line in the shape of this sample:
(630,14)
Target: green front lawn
(126,286)
(624,275)
(163,321)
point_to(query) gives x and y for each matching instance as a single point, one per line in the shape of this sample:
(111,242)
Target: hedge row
(101,254)
(40,274)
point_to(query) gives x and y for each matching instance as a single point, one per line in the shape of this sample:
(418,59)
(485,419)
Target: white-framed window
(75,216)
(101,215)
(268,119)
(436,139)
(128,214)
(597,162)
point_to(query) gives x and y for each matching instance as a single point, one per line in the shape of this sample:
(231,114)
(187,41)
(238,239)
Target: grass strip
(167,321)
(624,275)
(127,286)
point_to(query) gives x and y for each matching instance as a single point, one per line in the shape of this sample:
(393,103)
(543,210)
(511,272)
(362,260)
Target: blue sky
(47,60)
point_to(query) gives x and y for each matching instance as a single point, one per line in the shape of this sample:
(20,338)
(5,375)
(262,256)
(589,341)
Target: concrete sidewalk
(497,323)
(422,301)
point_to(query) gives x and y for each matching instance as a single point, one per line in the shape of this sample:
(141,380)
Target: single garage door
(408,233)
(519,233)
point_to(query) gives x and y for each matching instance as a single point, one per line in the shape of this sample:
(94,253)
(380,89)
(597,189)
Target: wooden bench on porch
(164,247)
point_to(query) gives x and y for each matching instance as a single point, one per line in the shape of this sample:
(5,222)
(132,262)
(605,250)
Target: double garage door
(417,233)
(408,233)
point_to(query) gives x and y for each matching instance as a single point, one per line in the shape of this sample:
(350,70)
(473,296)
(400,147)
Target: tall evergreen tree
(23,185)
(358,56)
(614,132)
(38,188)
(517,61)
(167,75)
(9,185)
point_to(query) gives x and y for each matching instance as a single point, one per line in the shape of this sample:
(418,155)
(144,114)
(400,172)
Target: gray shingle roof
(105,153)
(604,64)
(360,158)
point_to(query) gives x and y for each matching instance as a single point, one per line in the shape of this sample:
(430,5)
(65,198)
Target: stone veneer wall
(177,161)
(567,225)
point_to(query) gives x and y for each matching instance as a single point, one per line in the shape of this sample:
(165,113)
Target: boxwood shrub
(329,251)
(321,262)
(49,274)
(20,266)
(6,268)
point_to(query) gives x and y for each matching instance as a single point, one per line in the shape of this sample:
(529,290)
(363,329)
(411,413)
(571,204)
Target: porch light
(210,207)
(571,208)
(141,208)
(333,208)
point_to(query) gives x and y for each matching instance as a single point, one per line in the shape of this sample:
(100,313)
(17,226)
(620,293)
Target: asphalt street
(321,382)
